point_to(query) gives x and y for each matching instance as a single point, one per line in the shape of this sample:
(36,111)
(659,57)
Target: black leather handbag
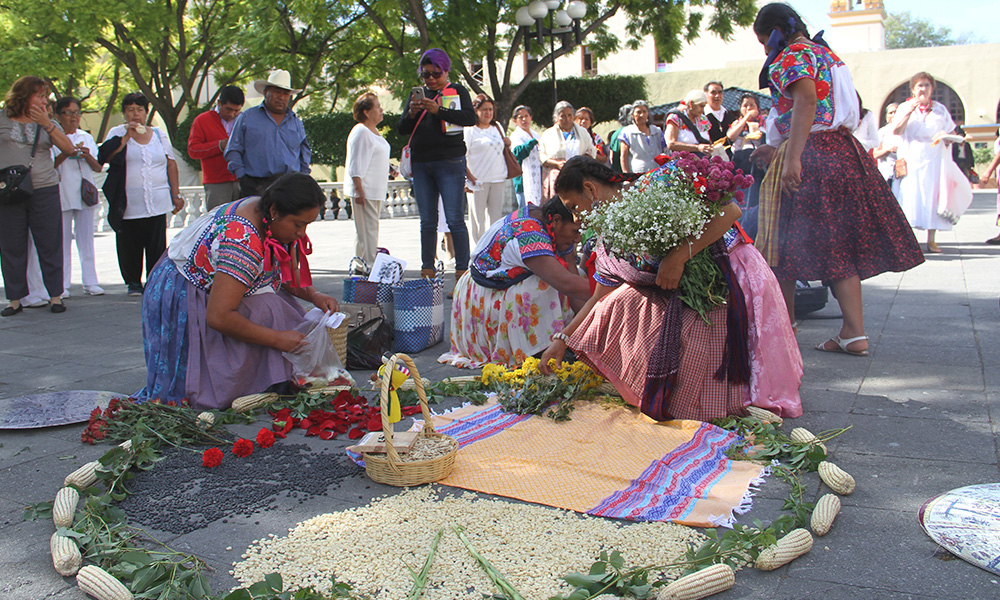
(15,180)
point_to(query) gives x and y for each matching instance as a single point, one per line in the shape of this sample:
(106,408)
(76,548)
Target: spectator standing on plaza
(825,213)
(687,128)
(527,186)
(614,142)
(77,216)
(719,117)
(961,153)
(269,139)
(435,120)
(641,142)
(367,167)
(585,119)
(485,169)
(210,133)
(23,121)
(746,132)
(561,142)
(990,172)
(142,186)
(920,122)
(888,142)
(867,129)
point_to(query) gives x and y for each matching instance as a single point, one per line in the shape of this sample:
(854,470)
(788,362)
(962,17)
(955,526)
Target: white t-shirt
(484,154)
(146,185)
(867,131)
(73,171)
(367,158)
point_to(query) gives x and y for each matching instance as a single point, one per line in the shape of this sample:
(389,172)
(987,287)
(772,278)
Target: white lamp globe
(538,9)
(577,9)
(562,18)
(552,4)
(523,17)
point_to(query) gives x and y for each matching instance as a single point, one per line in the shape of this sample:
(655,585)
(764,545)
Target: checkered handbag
(419,309)
(358,290)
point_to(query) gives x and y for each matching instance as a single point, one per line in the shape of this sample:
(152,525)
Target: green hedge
(328,133)
(604,95)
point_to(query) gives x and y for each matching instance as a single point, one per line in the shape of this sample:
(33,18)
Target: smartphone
(416,93)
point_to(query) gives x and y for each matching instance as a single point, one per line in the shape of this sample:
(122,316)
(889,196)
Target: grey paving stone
(26,445)
(794,588)
(38,480)
(941,355)
(926,404)
(886,377)
(922,439)
(24,544)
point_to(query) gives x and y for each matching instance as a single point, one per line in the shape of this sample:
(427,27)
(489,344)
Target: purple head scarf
(437,57)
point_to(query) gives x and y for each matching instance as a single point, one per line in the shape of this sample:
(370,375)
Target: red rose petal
(305,423)
(355,433)
(410,410)
(327,435)
(314,430)
(375,423)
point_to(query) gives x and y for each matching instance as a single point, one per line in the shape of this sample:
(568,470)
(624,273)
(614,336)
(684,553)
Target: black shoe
(57,308)
(10,311)
(134,290)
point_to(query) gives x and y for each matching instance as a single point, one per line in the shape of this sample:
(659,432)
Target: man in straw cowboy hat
(268,140)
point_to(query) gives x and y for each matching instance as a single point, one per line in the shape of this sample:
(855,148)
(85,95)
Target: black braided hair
(781,16)
(555,207)
(581,168)
(290,194)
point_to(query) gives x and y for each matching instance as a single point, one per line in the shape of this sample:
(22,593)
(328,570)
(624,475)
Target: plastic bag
(314,361)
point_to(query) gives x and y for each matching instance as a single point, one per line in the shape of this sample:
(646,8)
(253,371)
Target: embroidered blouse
(499,255)
(223,242)
(685,135)
(806,60)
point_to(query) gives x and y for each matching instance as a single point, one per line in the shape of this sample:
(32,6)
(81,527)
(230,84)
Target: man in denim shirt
(268,140)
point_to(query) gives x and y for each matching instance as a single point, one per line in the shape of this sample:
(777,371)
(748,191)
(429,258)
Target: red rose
(243,448)
(265,438)
(211,458)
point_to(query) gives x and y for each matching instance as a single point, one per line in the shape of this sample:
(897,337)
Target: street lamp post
(562,22)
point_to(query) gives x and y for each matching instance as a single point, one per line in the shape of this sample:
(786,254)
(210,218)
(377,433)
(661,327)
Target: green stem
(495,576)
(420,579)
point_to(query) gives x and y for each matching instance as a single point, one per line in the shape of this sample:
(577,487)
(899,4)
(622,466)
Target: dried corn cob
(823,515)
(98,583)
(66,557)
(701,584)
(837,479)
(83,477)
(765,416)
(127,445)
(64,506)
(608,389)
(206,420)
(409,384)
(804,436)
(796,543)
(462,379)
(252,401)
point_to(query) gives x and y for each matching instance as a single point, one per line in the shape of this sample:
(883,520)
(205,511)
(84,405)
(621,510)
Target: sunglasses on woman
(431,74)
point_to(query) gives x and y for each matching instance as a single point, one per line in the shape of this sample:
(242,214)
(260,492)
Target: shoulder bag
(900,169)
(88,191)
(513,167)
(15,180)
(405,162)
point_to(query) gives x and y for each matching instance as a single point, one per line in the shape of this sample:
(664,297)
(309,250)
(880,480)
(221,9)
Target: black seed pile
(179,495)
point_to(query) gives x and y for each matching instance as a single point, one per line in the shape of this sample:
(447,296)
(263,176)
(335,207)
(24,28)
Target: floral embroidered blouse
(499,255)
(223,242)
(799,61)
(685,135)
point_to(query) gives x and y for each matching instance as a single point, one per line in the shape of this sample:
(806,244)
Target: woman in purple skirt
(220,307)
(825,211)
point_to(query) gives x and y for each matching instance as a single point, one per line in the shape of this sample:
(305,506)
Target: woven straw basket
(387,468)
(339,338)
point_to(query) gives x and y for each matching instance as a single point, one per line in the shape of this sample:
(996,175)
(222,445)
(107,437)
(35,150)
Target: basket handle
(390,366)
(350,265)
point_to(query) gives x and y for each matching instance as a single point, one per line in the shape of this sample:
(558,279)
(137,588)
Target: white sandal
(843,344)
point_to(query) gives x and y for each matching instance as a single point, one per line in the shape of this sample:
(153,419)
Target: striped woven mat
(609,462)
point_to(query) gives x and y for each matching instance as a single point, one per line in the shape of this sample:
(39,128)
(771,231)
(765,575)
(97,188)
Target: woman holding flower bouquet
(825,211)
(521,288)
(684,322)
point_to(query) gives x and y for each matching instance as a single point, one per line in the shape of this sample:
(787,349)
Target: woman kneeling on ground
(219,309)
(520,290)
(623,331)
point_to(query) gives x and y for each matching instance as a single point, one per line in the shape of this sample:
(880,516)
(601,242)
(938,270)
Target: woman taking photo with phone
(435,117)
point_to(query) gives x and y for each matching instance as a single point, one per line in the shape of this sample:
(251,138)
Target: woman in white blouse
(527,187)
(485,170)
(561,142)
(867,130)
(141,188)
(77,216)
(367,168)
(641,142)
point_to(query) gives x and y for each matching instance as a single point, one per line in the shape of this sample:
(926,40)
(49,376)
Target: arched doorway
(942,93)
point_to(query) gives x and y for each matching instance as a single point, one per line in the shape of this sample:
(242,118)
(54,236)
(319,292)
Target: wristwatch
(560,336)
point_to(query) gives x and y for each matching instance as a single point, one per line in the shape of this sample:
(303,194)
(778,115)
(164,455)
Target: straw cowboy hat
(278,78)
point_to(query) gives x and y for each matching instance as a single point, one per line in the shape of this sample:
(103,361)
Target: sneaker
(135,290)
(93,290)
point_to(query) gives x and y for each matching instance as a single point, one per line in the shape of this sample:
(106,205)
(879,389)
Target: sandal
(934,248)
(843,344)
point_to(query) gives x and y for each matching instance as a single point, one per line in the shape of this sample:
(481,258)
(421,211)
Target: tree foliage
(902,30)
